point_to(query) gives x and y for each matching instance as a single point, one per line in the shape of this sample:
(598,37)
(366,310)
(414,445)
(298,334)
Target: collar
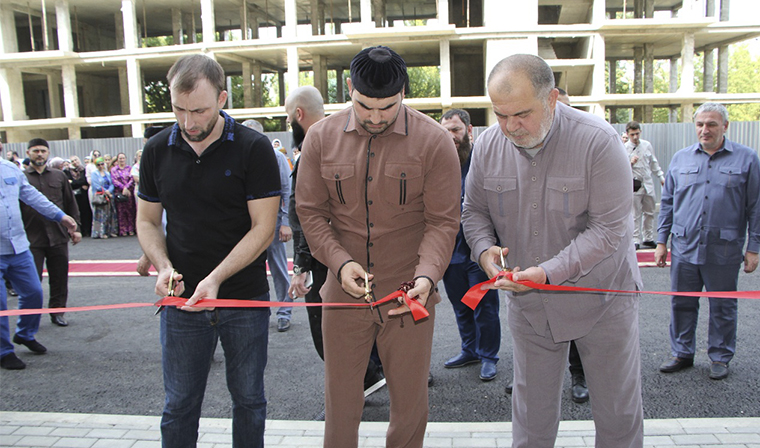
(725,146)
(400,126)
(31,170)
(228,133)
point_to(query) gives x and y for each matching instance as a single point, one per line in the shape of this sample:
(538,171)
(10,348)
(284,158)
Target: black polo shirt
(206,201)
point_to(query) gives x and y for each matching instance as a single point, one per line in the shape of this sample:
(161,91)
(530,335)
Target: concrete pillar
(63,22)
(687,75)
(178,30)
(366,13)
(380,19)
(724,10)
(208,21)
(708,84)
(709,8)
(673,87)
(124,90)
(70,94)
(319,67)
(339,91)
(46,28)
(53,81)
(598,12)
(445,61)
(597,80)
(638,9)
(247,85)
(314,17)
(291,19)
(649,9)
(292,70)
(129,19)
(282,89)
(648,79)
(443,12)
(612,69)
(506,15)
(258,86)
(8,43)
(134,80)
(723,69)
(638,81)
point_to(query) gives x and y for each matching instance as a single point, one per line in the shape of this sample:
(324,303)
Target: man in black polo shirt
(219,184)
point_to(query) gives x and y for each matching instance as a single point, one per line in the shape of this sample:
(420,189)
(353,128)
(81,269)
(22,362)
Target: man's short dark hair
(37,142)
(633,125)
(150,131)
(461,113)
(188,70)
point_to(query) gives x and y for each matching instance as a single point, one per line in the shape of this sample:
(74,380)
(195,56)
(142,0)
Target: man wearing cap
(49,240)
(378,198)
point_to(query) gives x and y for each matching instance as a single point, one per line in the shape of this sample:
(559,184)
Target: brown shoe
(676,364)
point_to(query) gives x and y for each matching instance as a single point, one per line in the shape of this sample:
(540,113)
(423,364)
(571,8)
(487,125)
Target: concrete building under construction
(72,69)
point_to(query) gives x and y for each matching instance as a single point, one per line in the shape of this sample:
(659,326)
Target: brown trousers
(404,348)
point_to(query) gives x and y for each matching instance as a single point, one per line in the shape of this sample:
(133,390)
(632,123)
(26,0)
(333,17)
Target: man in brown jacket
(378,196)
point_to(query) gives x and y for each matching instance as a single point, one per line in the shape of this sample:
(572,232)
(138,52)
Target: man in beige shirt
(378,196)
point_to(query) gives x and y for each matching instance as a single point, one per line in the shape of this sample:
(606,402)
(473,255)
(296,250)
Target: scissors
(171,291)
(503,267)
(369,296)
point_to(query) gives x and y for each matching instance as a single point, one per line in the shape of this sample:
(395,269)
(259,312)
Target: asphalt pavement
(109,362)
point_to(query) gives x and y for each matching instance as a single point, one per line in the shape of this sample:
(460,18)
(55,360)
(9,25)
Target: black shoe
(373,383)
(460,360)
(11,362)
(579,389)
(508,390)
(58,320)
(430,379)
(718,370)
(32,345)
(676,364)
(637,246)
(283,324)
(488,371)
(649,244)
(12,292)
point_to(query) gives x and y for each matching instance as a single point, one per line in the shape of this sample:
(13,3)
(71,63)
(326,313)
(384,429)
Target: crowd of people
(382,198)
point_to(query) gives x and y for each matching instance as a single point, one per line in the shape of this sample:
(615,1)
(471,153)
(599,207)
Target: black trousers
(57,260)
(85,213)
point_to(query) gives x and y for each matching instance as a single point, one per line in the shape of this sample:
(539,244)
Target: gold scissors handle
(171,290)
(369,296)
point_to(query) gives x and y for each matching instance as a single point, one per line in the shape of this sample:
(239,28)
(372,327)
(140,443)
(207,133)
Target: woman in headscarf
(121,174)
(101,186)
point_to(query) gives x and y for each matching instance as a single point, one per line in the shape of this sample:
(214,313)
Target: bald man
(554,192)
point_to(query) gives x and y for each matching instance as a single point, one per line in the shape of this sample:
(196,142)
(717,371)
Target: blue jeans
(19,269)
(480,329)
(188,341)
(277,259)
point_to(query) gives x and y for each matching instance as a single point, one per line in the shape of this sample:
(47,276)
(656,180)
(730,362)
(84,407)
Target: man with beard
(49,241)
(305,107)
(378,196)
(479,329)
(217,181)
(552,184)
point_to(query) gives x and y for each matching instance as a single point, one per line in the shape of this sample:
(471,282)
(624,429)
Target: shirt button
(337,176)
(371,244)
(369,202)
(371,224)
(535,233)
(564,188)
(372,154)
(535,205)
(533,163)
(498,188)
(369,178)
(546,300)
(403,175)
(537,259)
(533,178)
(708,181)
(198,161)
(372,265)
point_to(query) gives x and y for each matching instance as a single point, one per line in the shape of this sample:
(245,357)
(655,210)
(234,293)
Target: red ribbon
(475,294)
(418,311)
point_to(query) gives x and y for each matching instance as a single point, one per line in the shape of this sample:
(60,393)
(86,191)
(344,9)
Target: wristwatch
(298,270)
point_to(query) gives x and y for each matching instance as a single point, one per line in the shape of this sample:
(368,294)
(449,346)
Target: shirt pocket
(688,175)
(566,195)
(341,181)
(402,183)
(500,190)
(10,180)
(730,176)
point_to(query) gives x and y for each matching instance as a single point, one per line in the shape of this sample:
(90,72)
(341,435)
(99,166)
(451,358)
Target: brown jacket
(390,202)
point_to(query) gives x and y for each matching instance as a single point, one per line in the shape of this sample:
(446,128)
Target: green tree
(743,77)
(157,96)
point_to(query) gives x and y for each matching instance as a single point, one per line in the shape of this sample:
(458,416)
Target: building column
(708,79)
(597,76)
(366,13)
(258,86)
(129,20)
(53,81)
(315,17)
(445,61)
(208,21)
(648,79)
(11,84)
(63,22)
(443,12)
(292,69)
(247,85)
(612,64)
(134,81)
(71,97)
(598,12)
(638,81)
(672,88)
(380,18)
(687,76)
(319,67)
(124,93)
(177,29)
(339,92)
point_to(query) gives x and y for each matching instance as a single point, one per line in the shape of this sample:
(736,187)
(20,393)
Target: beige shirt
(390,202)
(567,210)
